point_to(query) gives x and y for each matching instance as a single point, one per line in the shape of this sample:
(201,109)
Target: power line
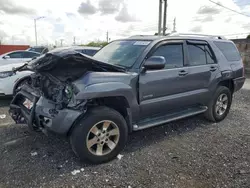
(229,8)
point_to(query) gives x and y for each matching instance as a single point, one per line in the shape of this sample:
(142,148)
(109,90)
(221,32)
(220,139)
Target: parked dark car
(128,85)
(38,49)
(88,50)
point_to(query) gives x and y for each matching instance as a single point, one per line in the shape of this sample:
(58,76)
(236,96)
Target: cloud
(109,6)
(208,19)
(228,20)
(86,8)
(124,15)
(58,19)
(12,8)
(196,29)
(208,10)
(3,34)
(70,15)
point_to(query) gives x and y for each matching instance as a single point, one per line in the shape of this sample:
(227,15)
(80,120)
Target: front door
(161,90)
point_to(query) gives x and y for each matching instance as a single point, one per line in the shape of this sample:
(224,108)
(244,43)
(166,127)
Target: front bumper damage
(41,113)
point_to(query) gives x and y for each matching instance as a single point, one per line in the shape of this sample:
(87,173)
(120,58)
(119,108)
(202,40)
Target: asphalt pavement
(188,153)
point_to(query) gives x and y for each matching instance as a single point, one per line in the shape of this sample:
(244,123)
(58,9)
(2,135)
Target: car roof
(20,51)
(38,47)
(179,37)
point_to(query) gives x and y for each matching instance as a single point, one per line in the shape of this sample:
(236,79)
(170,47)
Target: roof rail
(197,35)
(142,36)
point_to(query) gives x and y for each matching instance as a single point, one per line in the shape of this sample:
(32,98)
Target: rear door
(202,70)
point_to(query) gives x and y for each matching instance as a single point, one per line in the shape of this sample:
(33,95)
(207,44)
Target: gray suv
(128,85)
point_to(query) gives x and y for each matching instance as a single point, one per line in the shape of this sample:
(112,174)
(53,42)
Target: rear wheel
(220,104)
(99,136)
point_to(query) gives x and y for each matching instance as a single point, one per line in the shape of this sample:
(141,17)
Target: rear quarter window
(229,50)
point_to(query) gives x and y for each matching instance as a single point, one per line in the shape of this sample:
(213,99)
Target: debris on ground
(119,156)
(59,167)
(82,169)
(106,180)
(33,154)
(2,116)
(74,172)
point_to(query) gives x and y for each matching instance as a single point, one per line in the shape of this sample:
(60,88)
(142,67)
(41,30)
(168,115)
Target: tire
(212,113)
(83,132)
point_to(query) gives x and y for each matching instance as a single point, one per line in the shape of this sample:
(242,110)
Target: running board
(170,117)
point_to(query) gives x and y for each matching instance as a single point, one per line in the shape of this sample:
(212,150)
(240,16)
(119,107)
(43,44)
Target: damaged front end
(48,100)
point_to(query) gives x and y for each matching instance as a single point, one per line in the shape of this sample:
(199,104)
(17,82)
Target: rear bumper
(43,114)
(238,83)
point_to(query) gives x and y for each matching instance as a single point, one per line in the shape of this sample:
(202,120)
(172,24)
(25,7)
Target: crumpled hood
(61,58)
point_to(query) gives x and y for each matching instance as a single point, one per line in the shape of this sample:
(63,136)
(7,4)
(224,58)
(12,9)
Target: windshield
(38,50)
(123,53)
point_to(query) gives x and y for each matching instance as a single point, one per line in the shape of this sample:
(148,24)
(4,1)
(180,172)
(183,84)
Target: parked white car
(9,79)
(17,57)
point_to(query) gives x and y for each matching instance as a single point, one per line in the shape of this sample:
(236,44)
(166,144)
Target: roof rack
(197,35)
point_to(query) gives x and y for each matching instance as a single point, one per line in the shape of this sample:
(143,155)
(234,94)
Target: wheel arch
(18,81)
(227,83)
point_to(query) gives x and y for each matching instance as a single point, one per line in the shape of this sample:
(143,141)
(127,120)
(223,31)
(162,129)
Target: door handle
(213,68)
(183,73)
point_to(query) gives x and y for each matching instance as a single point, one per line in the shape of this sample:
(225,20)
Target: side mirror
(155,63)
(6,57)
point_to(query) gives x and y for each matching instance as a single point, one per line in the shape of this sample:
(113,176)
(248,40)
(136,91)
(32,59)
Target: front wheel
(219,105)
(100,135)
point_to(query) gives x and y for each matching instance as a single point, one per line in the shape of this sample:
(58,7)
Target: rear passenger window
(229,50)
(200,54)
(197,55)
(173,54)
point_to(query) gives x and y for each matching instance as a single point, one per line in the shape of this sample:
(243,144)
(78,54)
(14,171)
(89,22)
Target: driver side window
(173,54)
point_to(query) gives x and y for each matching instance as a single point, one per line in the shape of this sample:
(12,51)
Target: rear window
(229,50)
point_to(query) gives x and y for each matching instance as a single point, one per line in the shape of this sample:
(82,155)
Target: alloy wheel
(221,104)
(103,137)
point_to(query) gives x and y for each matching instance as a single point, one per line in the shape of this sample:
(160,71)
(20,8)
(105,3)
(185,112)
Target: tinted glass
(197,55)
(209,55)
(173,54)
(123,53)
(38,50)
(90,52)
(15,55)
(29,55)
(229,50)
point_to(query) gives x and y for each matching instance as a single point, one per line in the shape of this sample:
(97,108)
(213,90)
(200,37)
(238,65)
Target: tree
(96,44)
(248,36)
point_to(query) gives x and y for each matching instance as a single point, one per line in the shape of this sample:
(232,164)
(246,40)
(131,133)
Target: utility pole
(35,26)
(160,17)
(107,36)
(35,31)
(174,26)
(165,17)
(61,42)
(74,41)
